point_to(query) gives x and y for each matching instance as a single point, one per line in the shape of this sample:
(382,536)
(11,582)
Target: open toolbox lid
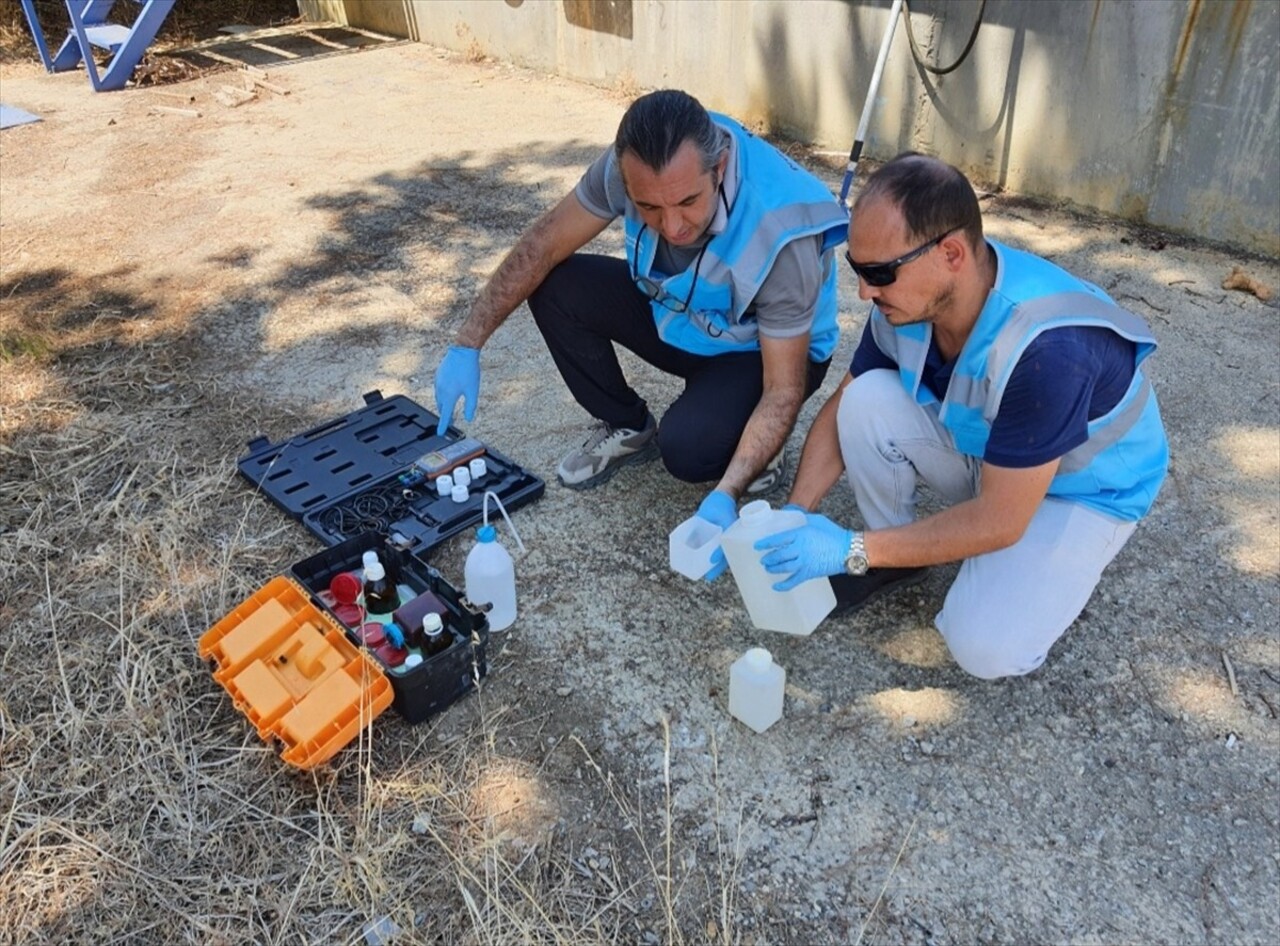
(341,478)
(294,674)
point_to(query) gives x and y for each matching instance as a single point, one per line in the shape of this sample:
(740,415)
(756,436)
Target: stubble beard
(939,305)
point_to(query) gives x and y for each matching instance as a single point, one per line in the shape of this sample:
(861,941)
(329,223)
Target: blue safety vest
(777,202)
(1119,469)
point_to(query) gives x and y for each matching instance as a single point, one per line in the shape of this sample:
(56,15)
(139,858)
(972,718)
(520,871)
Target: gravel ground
(322,244)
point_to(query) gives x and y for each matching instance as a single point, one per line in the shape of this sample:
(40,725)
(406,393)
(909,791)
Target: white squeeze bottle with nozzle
(797,611)
(490,574)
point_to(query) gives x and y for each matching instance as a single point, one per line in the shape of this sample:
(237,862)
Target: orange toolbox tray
(294,673)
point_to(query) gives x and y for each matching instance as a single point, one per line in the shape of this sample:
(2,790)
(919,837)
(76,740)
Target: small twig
(269,86)
(1142,299)
(1231,674)
(173,110)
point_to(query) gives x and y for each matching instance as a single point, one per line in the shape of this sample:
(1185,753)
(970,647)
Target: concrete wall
(1161,111)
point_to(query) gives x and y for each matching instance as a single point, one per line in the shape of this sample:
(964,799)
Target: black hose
(919,57)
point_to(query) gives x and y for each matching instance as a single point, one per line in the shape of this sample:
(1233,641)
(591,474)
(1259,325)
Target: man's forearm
(766,431)
(994,519)
(517,276)
(958,532)
(821,462)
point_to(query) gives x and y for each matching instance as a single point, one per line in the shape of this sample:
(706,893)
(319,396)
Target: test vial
(459,493)
(444,484)
(478,468)
(462,475)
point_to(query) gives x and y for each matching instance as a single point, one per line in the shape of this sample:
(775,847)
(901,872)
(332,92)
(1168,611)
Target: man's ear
(721,164)
(956,249)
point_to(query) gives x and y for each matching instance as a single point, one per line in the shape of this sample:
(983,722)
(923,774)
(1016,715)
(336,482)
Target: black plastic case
(341,479)
(424,690)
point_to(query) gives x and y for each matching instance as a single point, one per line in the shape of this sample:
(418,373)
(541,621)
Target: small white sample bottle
(755,689)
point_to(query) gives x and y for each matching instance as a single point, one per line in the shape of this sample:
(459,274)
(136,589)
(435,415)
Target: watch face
(856,564)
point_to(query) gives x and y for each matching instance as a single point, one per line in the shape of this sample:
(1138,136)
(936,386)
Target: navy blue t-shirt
(1067,377)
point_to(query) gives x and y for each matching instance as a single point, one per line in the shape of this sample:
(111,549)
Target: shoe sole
(840,610)
(767,490)
(646,453)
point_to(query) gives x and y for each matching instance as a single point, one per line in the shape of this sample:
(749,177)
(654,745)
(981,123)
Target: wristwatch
(855,561)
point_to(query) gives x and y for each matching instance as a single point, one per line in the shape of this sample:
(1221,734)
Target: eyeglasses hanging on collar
(652,288)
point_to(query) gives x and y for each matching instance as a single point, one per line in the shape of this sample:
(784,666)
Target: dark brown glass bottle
(380,595)
(435,637)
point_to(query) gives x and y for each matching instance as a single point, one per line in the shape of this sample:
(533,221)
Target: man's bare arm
(821,462)
(559,232)
(786,366)
(994,519)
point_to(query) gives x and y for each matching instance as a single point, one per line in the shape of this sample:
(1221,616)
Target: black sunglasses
(654,290)
(884,274)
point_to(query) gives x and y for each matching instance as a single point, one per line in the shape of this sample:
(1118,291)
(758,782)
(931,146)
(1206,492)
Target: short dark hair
(933,196)
(656,125)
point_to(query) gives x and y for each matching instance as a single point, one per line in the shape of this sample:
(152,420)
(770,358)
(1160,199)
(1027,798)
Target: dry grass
(137,806)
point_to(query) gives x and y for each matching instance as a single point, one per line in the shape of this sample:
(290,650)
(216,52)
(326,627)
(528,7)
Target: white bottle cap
(369,558)
(758,659)
(478,468)
(431,623)
(462,475)
(413,660)
(444,484)
(459,493)
(374,571)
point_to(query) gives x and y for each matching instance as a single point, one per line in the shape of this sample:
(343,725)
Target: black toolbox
(304,634)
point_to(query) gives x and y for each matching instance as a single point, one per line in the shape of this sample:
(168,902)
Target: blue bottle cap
(487,534)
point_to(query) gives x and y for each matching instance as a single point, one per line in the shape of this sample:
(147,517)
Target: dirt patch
(172,286)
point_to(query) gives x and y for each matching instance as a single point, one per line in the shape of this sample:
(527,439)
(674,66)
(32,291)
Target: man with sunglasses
(729,283)
(1013,390)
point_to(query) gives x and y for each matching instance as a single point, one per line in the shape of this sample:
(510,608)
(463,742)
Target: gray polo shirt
(785,303)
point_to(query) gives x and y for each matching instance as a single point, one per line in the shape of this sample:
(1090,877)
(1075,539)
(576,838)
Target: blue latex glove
(814,550)
(457,377)
(718,509)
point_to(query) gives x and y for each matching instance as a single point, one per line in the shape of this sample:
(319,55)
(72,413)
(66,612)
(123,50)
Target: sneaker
(854,591)
(770,477)
(607,449)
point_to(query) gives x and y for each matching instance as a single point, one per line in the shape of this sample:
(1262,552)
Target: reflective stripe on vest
(1123,486)
(777,202)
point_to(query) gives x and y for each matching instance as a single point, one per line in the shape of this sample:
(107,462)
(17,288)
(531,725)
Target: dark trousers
(588,303)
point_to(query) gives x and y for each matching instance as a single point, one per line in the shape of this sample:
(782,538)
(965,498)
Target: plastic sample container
(756,686)
(691,545)
(798,611)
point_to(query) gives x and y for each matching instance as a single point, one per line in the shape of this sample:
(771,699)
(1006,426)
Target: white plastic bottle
(755,689)
(797,611)
(490,578)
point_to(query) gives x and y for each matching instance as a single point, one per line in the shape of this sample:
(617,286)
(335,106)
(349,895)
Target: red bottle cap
(373,634)
(345,587)
(349,614)
(391,656)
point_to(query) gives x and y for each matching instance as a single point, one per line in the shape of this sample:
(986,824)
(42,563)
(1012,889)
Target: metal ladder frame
(89,28)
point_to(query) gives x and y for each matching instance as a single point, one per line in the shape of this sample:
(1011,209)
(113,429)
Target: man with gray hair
(728,284)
